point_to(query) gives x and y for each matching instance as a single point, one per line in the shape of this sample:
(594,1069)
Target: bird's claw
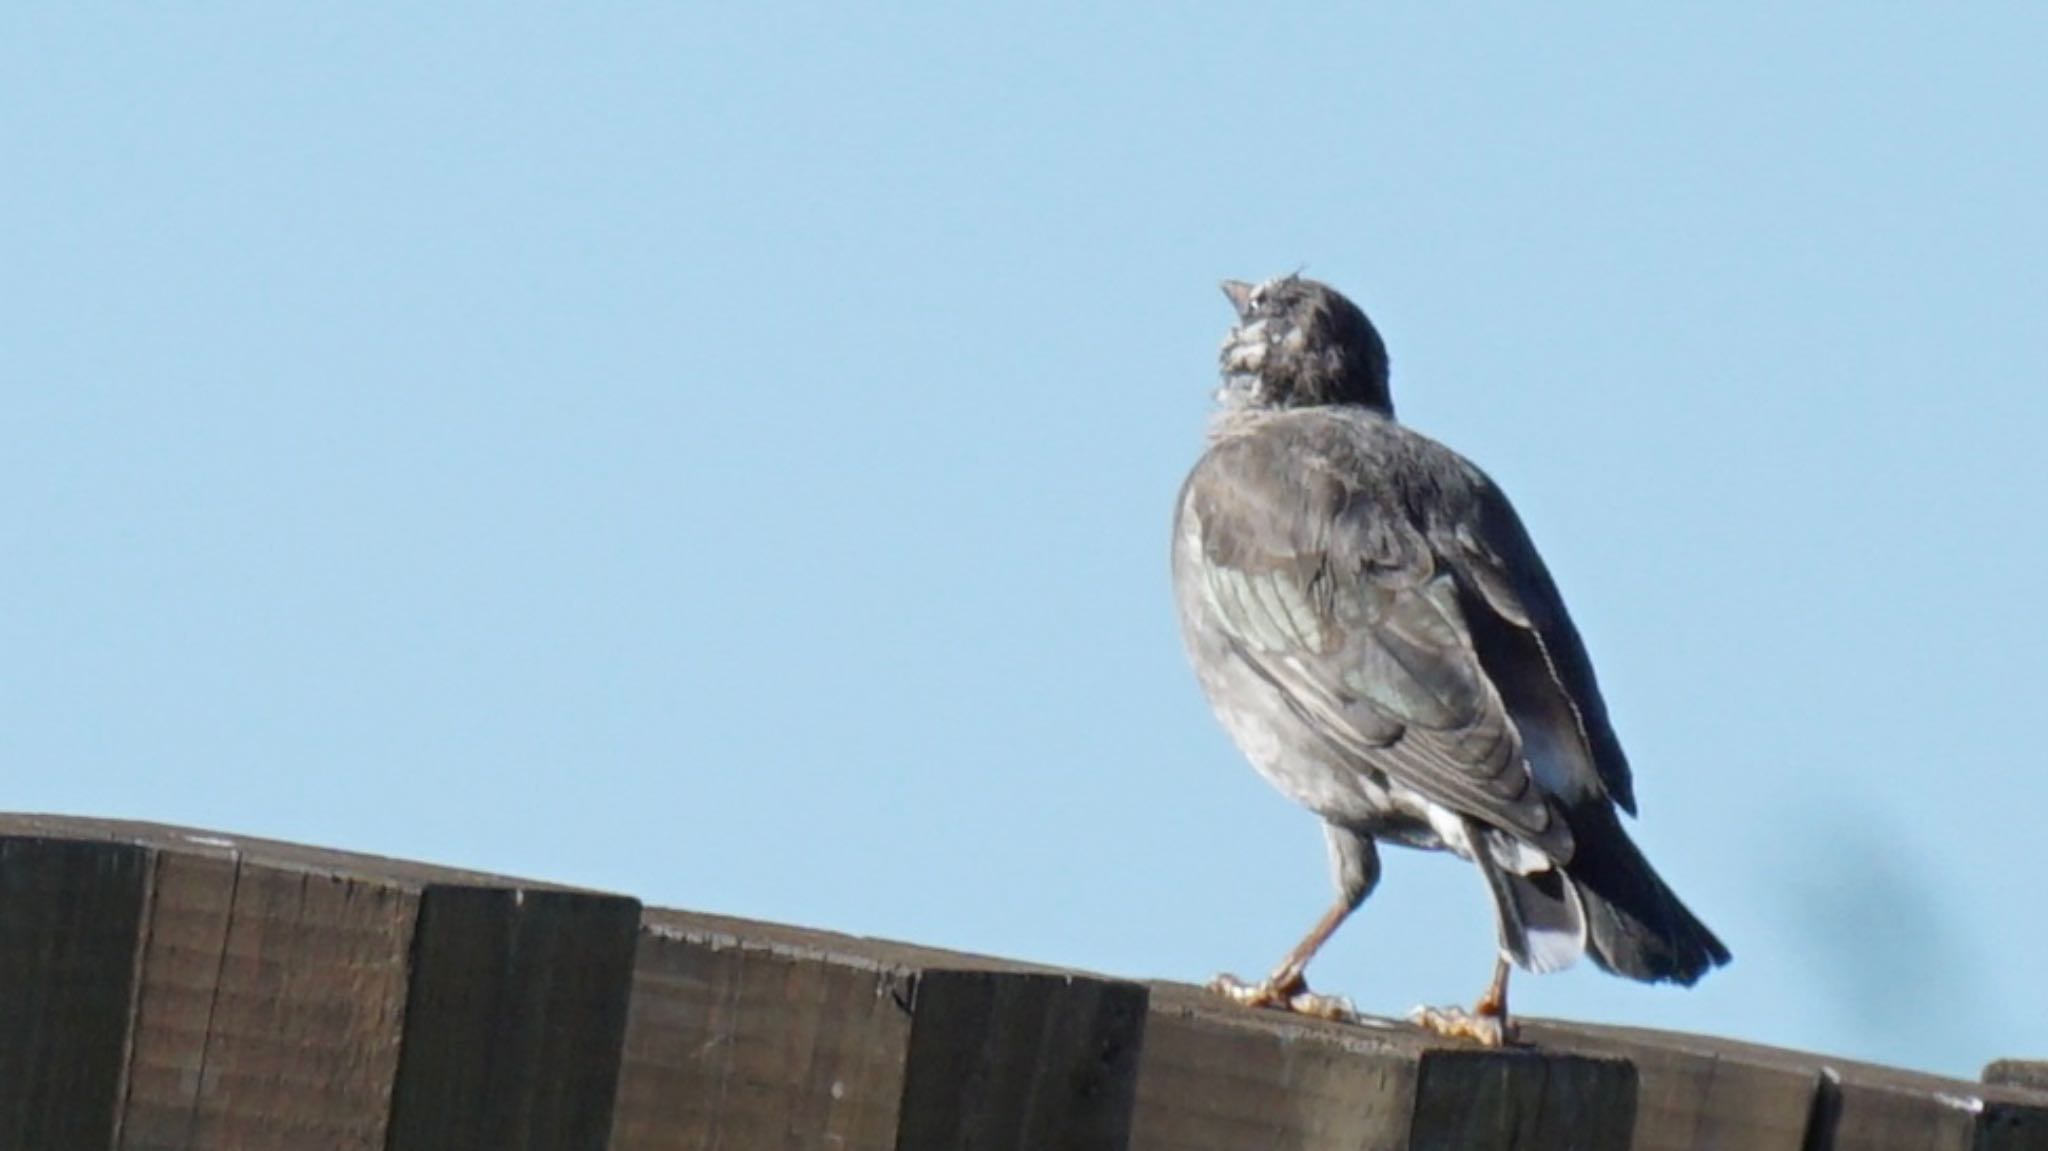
(1488,1029)
(1285,995)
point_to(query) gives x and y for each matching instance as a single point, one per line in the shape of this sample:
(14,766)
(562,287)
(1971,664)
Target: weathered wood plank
(1020,1059)
(748,1034)
(70,915)
(1701,1094)
(2016,1114)
(1523,1099)
(1217,1077)
(191,900)
(1886,1107)
(1852,1105)
(262,999)
(301,1036)
(739,1045)
(515,1022)
(2027,1073)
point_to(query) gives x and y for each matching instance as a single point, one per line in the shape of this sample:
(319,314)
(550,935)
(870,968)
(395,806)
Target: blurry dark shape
(1899,973)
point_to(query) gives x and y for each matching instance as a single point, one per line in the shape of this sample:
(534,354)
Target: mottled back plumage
(1377,632)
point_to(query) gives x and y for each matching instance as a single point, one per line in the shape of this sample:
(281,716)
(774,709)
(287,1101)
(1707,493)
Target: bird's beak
(1240,294)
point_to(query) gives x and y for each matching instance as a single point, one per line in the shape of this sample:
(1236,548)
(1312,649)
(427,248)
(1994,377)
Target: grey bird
(1377,633)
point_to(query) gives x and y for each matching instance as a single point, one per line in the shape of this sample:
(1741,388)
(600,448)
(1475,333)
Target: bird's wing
(1537,660)
(1340,603)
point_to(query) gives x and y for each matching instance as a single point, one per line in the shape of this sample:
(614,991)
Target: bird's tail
(1542,918)
(1635,925)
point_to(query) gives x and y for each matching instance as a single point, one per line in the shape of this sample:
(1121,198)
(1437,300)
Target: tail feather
(1635,925)
(1542,919)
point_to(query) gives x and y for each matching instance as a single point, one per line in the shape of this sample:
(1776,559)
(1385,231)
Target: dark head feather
(1300,343)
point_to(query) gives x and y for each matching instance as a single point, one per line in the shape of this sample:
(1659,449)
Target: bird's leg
(1287,987)
(1487,1023)
(1355,869)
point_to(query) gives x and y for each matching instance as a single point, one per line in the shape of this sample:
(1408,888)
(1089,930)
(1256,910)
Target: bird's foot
(1486,1028)
(1284,993)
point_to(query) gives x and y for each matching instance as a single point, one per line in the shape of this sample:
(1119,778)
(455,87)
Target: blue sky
(725,454)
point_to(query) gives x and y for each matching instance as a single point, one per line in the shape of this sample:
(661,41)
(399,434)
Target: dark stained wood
(167,990)
(746,1034)
(191,898)
(515,1020)
(2016,1113)
(733,1043)
(2031,1074)
(2009,1125)
(1015,1059)
(1523,1099)
(301,1035)
(1701,1094)
(1885,1108)
(1217,1077)
(256,994)
(1852,1105)
(70,914)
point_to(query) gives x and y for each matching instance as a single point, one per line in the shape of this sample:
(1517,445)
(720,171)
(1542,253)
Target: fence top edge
(864,952)
(383,870)
(1370,1035)
(1964,1094)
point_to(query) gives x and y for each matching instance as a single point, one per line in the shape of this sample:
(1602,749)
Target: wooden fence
(170,989)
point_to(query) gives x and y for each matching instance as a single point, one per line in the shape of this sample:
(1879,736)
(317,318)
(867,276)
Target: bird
(1372,624)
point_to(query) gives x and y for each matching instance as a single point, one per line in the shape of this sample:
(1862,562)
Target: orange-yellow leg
(1486,1024)
(1286,989)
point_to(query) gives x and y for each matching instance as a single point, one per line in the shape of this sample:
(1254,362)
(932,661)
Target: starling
(1375,630)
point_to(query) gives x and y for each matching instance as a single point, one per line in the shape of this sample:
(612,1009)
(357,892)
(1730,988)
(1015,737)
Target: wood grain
(2030,1074)
(516,1018)
(169,990)
(1217,1077)
(70,914)
(734,1042)
(301,1037)
(1020,1060)
(747,1034)
(1700,1094)
(1850,1104)
(191,902)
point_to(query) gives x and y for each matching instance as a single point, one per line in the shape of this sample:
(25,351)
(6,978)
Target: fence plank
(1218,1077)
(1849,1104)
(1523,1099)
(1700,1094)
(70,914)
(301,1036)
(191,897)
(516,1020)
(1002,1058)
(749,1034)
(2030,1074)
(1887,1107)
(185,992)
(755,1046)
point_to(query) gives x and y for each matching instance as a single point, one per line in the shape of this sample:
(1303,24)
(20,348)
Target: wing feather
(1345,608)
(1544,669)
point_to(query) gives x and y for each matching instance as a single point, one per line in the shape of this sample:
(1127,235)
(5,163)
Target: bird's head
(1298,344)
